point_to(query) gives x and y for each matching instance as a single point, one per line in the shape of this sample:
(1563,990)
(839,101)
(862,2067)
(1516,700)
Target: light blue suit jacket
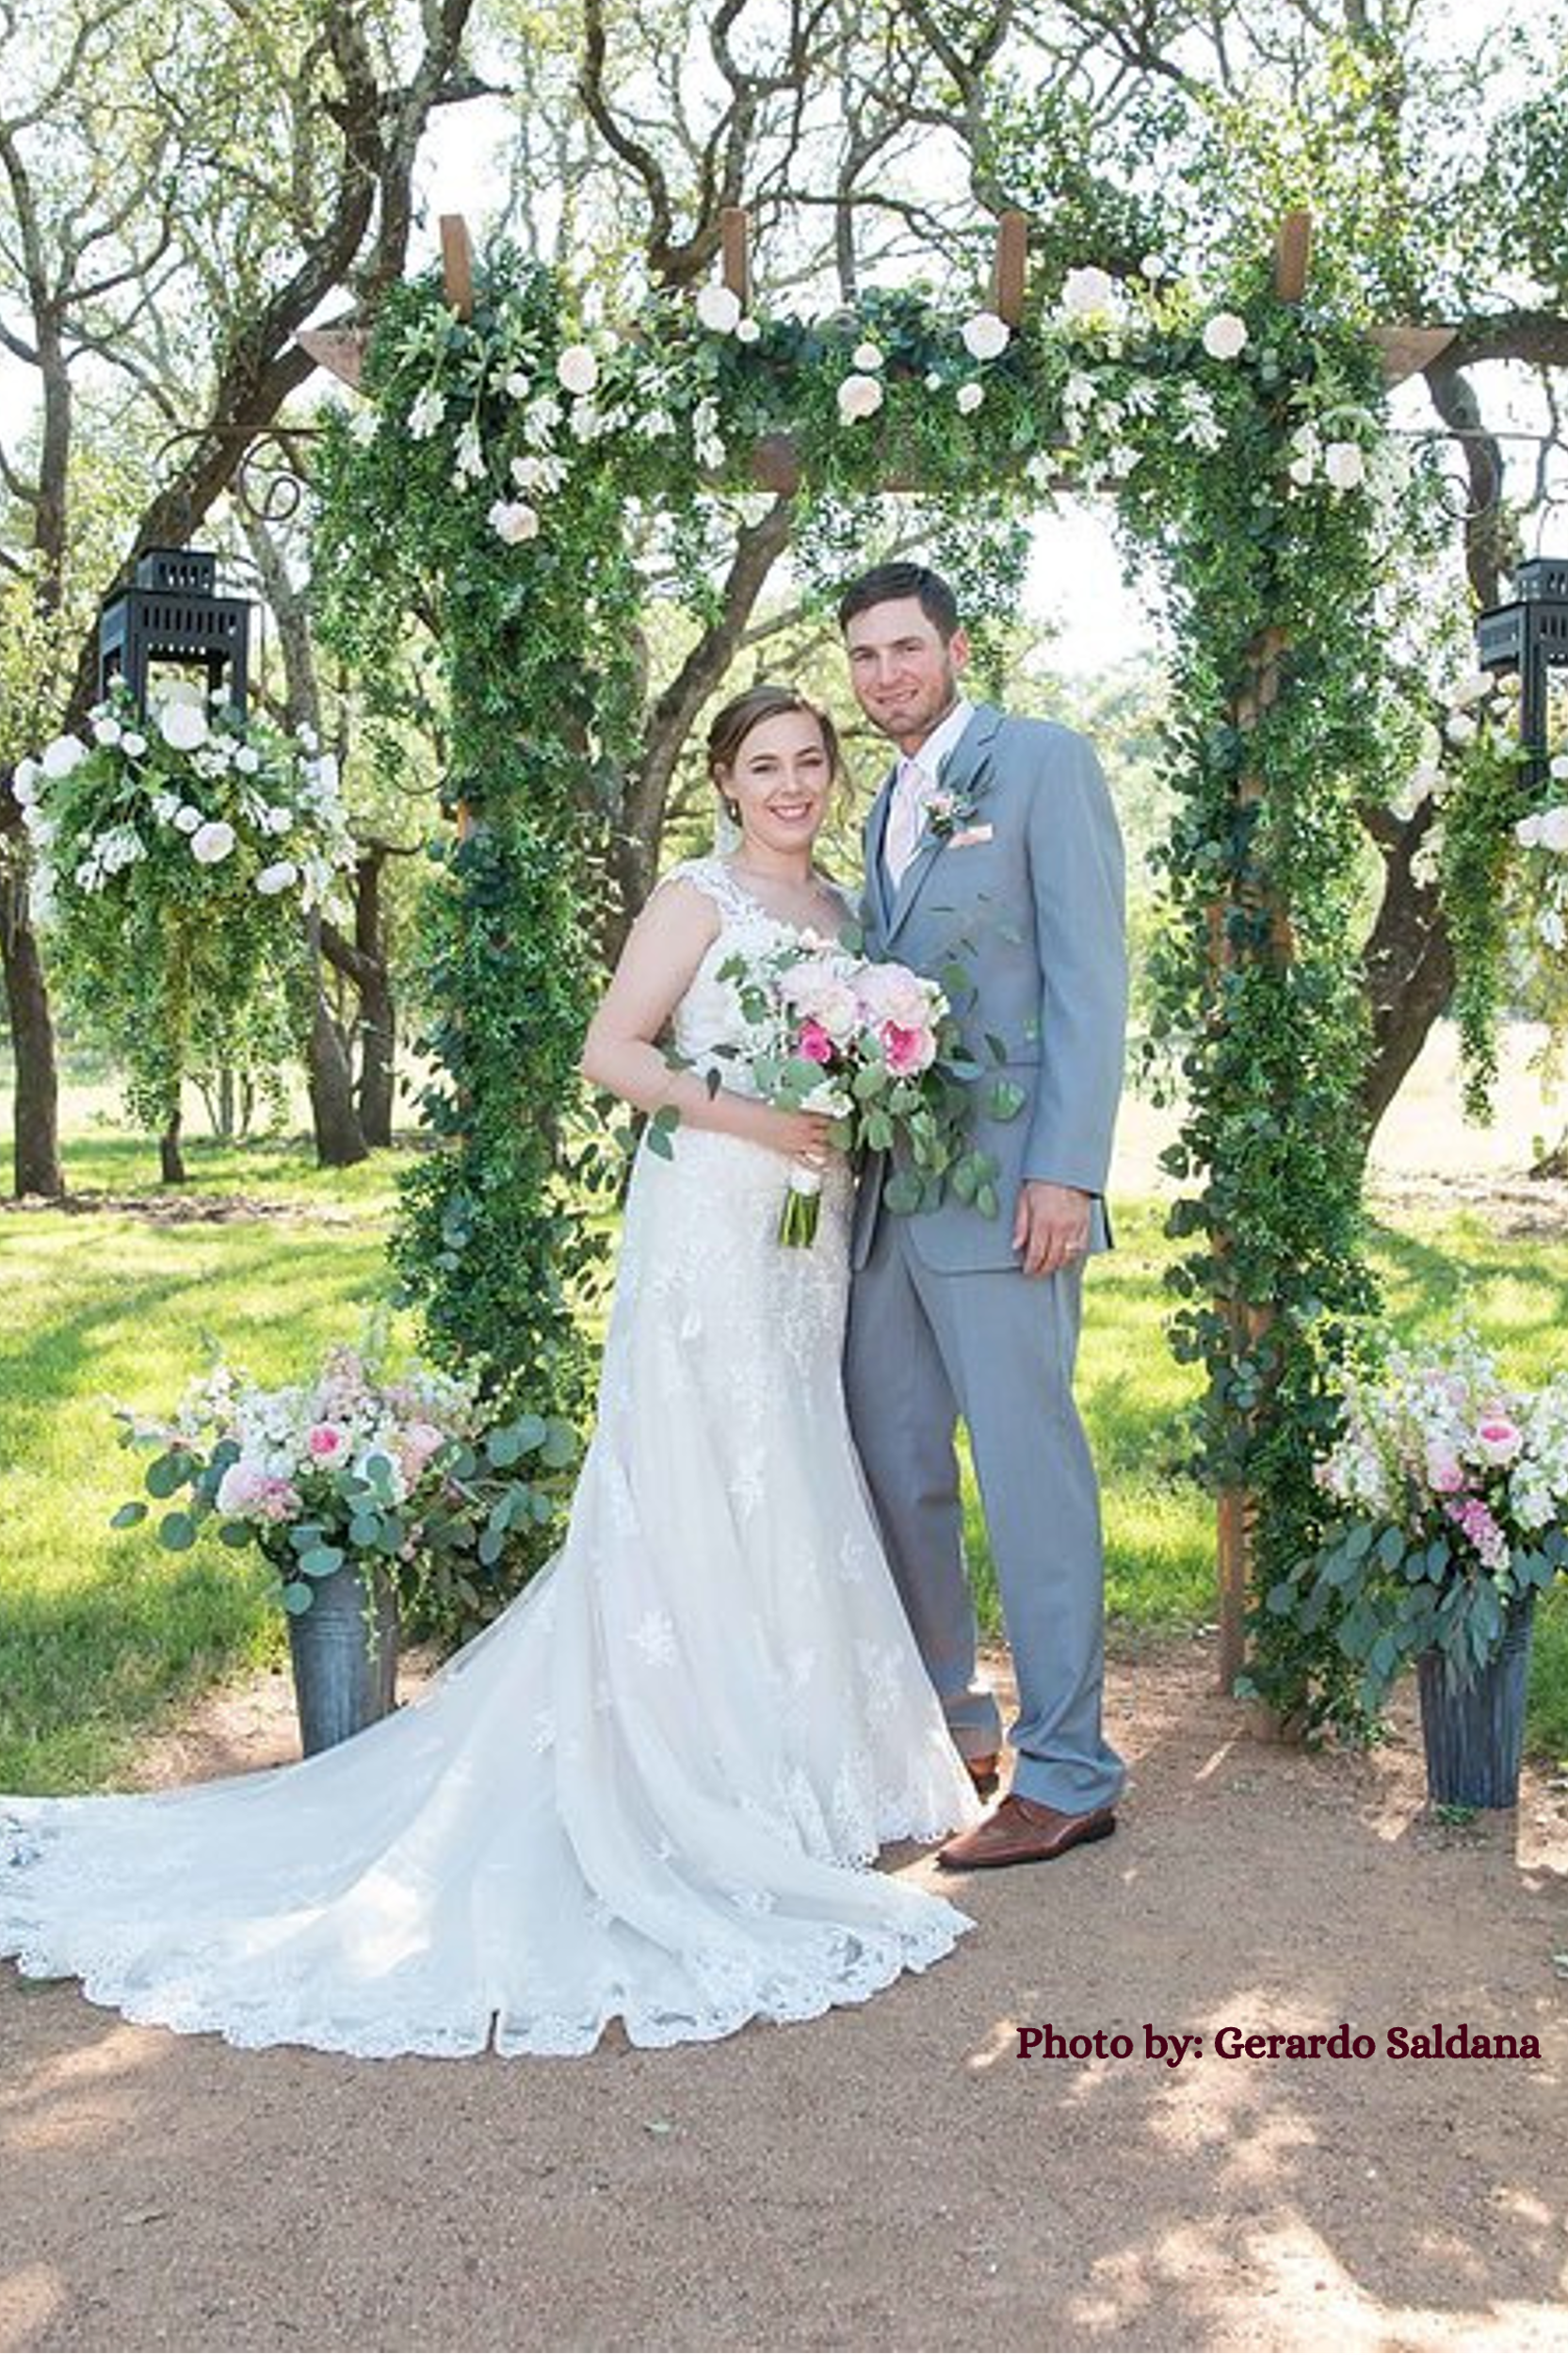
(1032,907)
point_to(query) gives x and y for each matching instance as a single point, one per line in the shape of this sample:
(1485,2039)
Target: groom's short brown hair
(885,582)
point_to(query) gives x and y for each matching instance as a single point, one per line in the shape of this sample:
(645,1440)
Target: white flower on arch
(986,336)
(1226,335)
(859,397)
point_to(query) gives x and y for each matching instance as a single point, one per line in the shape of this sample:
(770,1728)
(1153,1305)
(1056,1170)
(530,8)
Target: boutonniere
(949,812)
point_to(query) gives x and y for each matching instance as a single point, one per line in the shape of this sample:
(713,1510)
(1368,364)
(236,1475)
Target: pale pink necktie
(906,818)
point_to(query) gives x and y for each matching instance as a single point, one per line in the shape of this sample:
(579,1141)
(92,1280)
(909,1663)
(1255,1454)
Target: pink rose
(819,989)
(246,1493)
(907,1051)
(1444,1470)
(814,1043)
(326,1440)
(1501,1440)
(891,993)
(419,1442)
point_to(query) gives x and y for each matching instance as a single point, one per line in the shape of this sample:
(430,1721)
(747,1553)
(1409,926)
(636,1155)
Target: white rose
(577,370)
(859,397)
(1460,728)
(519,385)
(183,726)
(1553,829)
(327,774)
(277,819)
(1552,929)
(1528,832)
(1426,778)
(1557,768)
(133,743)
(62,755)
(24,782)
(1152,267)
(933,379)
(514,521)
(748,331)
(276,878)
(969,398)
(1224,335)
(247,759)
(1344,466)
(1471,688)
(212,842)
(107,729)
(1429,744)
(1301,471)
(1086,291)
(187,818)
(866,358)
(718,308)
(985,336)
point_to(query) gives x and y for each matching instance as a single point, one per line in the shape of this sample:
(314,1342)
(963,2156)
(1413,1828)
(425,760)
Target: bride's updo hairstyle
(734,724)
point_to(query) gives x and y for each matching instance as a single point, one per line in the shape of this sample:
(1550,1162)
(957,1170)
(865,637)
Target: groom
(993,845)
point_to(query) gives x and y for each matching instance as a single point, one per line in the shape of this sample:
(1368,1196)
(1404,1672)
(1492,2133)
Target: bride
(648,1790)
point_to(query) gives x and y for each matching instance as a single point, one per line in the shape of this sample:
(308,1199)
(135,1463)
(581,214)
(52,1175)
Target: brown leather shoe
(982,1772)
(1022,1831)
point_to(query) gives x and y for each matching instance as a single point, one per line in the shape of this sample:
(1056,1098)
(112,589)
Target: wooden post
(735,247)
(1009,268)
(457,264)
(1292,256)
(1249,1322)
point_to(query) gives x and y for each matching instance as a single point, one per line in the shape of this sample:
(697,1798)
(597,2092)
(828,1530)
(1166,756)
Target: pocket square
(967,835)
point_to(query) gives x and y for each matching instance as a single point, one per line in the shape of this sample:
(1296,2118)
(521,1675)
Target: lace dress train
(650,1789)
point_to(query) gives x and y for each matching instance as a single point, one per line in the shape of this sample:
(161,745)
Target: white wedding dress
(649,1790)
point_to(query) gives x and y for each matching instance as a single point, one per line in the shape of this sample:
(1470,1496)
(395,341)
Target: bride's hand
(804,1136)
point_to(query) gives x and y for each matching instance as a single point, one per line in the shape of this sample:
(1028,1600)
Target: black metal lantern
(171,613)
(1530,636)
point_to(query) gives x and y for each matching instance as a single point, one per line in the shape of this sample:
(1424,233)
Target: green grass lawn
(100,1633)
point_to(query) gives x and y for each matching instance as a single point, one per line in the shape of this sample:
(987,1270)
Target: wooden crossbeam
(457,264)
(1010,267)
(735,237)
(338,350)
(1407,350)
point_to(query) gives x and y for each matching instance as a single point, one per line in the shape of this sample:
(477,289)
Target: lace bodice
(709,1031)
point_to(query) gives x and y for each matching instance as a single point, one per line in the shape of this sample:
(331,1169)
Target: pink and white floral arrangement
(1454,1491)
(408,1474)
(876,1048)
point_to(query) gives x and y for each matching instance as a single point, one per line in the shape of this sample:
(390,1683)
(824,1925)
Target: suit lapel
(956,774)
(876,867)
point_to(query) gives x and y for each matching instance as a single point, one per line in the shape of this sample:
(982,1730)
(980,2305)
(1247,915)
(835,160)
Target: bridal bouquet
(408,1476)
(876,1047)
(1454,1491)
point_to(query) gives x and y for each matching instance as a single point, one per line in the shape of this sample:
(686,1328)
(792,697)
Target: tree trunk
(1408,968)
(377,1013)
(339,1139)
(36,1117)
(170,1159)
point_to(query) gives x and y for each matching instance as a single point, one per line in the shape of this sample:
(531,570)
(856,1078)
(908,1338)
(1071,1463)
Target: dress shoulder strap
(713,879)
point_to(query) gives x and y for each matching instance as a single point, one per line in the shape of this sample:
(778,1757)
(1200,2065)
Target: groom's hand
(1050,1227)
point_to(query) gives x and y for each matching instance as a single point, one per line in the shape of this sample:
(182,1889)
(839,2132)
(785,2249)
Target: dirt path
(890,2176)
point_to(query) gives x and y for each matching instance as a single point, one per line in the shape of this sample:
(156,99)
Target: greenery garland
(486,488)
